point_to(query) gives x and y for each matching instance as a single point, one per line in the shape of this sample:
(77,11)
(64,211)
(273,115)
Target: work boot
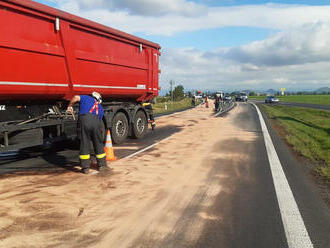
(101,162)
(153,125)
(103,169)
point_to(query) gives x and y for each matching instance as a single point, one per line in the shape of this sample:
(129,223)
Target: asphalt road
(64,157)
(248,205)
(295,104)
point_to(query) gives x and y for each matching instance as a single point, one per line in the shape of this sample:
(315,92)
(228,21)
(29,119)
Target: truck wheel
(119,128)
(140,125)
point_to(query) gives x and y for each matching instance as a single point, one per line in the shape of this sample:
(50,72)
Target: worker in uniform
(206,102)
(90,121)
(148,105)
(216,103)
(193,101)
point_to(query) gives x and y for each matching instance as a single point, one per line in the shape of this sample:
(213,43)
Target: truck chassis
(123,119)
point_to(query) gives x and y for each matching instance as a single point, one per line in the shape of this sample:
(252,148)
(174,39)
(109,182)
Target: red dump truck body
(50,54)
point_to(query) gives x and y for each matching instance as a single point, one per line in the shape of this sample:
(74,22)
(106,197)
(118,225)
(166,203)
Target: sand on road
(138,204)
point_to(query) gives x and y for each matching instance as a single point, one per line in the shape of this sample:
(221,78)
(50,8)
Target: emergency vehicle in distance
(47,56)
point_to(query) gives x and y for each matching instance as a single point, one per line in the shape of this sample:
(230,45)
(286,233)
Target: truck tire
(140,125)
(119,128)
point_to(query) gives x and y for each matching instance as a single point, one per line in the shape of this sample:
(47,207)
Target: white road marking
(153,145)
(145,149)
(294,227)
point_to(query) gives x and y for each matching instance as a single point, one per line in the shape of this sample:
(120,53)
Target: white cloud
(288,59)
(147,7)
(172,16)
(305,44)
(280,80)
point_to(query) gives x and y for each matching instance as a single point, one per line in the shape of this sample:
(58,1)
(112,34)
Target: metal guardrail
(224,107)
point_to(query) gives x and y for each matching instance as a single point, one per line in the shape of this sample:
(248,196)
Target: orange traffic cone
(108,149)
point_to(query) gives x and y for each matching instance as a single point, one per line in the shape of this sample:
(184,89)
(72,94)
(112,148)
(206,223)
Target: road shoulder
(312,206)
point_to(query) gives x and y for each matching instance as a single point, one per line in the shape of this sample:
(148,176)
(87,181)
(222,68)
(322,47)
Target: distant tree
(178,93)
(252,93)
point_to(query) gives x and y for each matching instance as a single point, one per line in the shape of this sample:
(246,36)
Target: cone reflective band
(108,149)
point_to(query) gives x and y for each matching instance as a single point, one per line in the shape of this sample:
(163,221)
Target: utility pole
(172,83)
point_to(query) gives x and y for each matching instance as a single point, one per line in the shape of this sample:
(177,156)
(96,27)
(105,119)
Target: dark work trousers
(151,116)
(91,131)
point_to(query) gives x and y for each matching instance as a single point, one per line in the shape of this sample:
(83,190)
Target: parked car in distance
(241,97)
(271,99)
(227,98)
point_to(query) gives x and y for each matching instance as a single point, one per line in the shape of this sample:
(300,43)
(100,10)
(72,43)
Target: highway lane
(248,204)
(295,104)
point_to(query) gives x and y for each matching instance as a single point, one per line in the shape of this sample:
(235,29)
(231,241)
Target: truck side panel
(40,62)
(111,66)
(28,59)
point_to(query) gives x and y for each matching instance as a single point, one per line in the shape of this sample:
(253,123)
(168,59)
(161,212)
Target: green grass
(313,99)
(307,130)
(159,108)
(257,97)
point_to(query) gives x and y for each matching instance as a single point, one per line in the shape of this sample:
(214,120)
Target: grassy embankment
(159,107)
(313,99)
(307,130)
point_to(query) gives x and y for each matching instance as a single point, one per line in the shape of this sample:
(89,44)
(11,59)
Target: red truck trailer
(47,56)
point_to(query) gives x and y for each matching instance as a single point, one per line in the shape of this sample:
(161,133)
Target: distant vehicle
(241,97)
(271,99)
(227,98)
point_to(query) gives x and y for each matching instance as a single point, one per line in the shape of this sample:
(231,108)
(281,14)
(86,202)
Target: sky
(225,44)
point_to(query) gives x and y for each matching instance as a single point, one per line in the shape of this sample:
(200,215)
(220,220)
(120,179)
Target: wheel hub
(139,125)
(120,128)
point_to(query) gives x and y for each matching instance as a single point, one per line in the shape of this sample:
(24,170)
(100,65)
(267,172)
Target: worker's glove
(70,109)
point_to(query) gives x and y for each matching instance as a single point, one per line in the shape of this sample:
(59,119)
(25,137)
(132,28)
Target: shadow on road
(64,157)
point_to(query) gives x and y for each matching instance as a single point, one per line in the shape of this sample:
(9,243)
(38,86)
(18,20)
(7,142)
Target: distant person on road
(90,122)
(193,101)
(216,103)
